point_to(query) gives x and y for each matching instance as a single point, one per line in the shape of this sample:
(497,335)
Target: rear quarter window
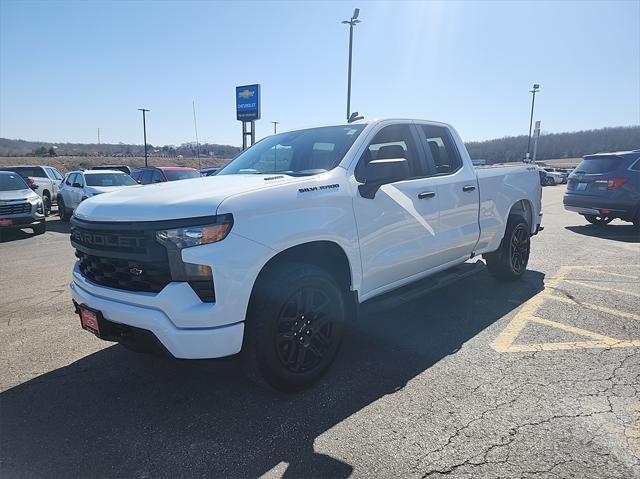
(601,164)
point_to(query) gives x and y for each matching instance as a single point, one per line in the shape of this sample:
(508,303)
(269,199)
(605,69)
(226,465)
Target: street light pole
(275,126)
(144,127)
(352,22)
(536,88)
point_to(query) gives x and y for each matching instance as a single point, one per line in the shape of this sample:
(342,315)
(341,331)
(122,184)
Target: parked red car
(160,174)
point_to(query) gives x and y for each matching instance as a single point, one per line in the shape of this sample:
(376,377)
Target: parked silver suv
(20,207)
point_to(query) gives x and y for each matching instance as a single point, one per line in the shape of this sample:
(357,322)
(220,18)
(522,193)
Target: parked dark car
(606,186)
(160,174)
(209,171)
(124,168)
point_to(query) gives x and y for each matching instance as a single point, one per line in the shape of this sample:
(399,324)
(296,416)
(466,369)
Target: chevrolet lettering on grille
(89,238)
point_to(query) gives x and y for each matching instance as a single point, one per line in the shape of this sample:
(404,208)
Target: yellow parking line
(602,288)
(599,270)
(505,340)
(596,307)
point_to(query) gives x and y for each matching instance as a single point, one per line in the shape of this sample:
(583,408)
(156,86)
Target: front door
(397,228)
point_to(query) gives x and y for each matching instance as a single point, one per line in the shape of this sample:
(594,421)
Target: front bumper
(182,343)
(187,327)
(22,221)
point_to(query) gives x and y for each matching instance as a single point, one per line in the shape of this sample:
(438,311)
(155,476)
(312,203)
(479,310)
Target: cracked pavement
(420,391)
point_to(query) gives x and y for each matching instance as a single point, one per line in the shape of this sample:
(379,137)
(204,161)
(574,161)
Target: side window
(157,177)
(145,178)
(80,179)
(393,141)
(73,177)
(441,149)
(635,166)
(39,172)
(56,174)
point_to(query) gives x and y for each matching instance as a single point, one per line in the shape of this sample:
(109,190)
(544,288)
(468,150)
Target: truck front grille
(131,275)
(15,208)
(121,256)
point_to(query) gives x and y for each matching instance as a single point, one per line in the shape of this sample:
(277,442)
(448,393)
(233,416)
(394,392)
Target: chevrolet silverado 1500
(273,255)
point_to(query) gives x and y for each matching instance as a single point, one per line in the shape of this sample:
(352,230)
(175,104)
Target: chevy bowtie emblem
(135,271)
(246,94)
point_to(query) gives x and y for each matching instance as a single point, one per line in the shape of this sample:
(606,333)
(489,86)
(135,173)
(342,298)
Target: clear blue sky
(67,68)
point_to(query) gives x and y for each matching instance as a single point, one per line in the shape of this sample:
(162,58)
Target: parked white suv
(46,179)
(277,251)
(80,185)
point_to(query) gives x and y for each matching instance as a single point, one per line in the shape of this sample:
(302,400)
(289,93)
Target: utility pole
(536,88)
(536,136)
(195,126)
(144,127)
(275,126)
(352,22)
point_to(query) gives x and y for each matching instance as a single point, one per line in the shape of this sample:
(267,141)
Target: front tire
(294,327)
(62,211)
(598,220)
(510,261)
(40,228)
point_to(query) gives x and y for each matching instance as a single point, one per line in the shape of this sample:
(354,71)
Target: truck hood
(26,194)
(170,200)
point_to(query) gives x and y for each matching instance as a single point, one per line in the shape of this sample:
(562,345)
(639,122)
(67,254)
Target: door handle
(426,194)
(468,188)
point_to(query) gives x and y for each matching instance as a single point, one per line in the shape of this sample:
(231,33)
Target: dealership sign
(248,102)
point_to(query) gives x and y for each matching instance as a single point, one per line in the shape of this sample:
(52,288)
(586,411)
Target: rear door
(396,228)
(458,194)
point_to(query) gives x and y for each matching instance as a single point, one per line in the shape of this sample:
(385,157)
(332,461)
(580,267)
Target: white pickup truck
(275,253)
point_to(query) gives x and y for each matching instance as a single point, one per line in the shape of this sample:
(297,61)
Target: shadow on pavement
(55,224)
(118,413)
(624,233)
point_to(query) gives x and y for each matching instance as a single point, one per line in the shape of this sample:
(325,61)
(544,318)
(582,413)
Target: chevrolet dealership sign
(248,102)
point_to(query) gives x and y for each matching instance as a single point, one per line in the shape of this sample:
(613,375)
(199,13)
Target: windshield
(296,153)
(109,179)
(596,165)
(12,182)
(173,175)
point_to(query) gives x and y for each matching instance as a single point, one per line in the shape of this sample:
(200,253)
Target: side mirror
(382,172)
(77,185)
(33,186)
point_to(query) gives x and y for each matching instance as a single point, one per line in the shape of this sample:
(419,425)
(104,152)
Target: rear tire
(294,327)
(549,181)
(598,220)
(510,261)
(46,205)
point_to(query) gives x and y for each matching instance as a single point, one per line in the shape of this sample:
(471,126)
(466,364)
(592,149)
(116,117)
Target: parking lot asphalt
(479,379)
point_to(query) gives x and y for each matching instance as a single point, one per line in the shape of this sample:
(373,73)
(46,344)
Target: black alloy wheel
(519,248)
(304,333)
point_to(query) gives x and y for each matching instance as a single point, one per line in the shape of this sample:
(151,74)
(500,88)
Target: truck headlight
(188,236)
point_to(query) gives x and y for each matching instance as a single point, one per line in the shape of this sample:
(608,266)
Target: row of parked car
(554,176)
(27,193)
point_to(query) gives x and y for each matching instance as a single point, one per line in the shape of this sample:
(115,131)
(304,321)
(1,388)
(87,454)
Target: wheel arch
(525,209)
(325,254)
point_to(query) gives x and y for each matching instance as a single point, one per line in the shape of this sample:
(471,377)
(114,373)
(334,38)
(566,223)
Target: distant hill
(558,145)
(24,148)
(513,148)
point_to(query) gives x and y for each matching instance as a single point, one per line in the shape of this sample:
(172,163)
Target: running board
(421,288)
